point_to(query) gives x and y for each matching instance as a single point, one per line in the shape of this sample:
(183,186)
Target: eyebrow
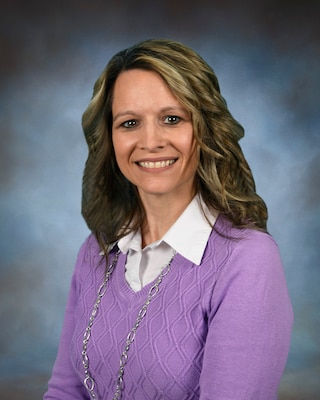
(123,114)
(169,109)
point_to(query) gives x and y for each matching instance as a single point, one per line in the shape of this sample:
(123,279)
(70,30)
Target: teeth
(157,164)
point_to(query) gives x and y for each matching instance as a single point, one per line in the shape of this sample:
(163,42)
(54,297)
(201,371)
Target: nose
(152,137)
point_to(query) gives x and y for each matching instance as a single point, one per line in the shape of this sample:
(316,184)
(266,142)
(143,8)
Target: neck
(161,214)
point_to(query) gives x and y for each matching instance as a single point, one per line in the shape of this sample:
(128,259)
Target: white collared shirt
(187,236)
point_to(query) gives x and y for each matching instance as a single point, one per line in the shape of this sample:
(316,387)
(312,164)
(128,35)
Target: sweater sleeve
(64,383)
(250,324)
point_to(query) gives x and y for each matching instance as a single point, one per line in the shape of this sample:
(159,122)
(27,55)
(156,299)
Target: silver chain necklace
(88,381)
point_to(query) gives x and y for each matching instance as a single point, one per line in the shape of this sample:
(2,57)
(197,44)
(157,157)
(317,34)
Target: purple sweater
(219,331)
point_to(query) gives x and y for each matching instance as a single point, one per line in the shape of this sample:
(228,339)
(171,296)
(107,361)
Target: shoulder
(90,264)
(89,248)
(248,268)
(240,246)
(88,258)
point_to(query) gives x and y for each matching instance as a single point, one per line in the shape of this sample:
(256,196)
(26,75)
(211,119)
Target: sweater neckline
(123,287)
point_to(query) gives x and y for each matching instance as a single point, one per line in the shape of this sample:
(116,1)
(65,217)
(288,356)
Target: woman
(179,292)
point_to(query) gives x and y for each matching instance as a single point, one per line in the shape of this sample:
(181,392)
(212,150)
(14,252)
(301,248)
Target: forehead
(141,85)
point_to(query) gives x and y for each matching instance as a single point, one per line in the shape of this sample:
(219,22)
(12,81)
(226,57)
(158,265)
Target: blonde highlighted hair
(110,203)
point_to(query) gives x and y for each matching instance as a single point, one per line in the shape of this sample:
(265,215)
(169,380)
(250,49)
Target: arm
(65,383)
(249,325)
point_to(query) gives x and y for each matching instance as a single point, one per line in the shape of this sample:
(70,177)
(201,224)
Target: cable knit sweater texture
(219,330)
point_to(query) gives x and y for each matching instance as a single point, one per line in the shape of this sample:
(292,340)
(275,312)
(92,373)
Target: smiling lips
(156,164)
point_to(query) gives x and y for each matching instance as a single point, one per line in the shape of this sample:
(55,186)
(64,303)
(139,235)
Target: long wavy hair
(110,203)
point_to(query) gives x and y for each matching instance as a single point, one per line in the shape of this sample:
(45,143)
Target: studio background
(267,58)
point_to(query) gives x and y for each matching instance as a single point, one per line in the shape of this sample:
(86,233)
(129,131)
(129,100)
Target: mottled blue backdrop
(267,57)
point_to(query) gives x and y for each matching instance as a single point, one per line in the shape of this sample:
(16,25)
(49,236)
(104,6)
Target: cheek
(122,150)
(119,146)
(194,159)
(192,149)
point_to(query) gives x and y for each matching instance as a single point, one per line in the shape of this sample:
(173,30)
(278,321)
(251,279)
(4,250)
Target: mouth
(156,164)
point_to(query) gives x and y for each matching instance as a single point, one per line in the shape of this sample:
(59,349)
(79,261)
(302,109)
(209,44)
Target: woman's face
(152,135)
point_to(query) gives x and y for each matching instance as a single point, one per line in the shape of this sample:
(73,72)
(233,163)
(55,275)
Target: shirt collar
(188,235)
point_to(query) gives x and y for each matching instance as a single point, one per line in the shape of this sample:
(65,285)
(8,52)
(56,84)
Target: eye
(129,124)
(172,119)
